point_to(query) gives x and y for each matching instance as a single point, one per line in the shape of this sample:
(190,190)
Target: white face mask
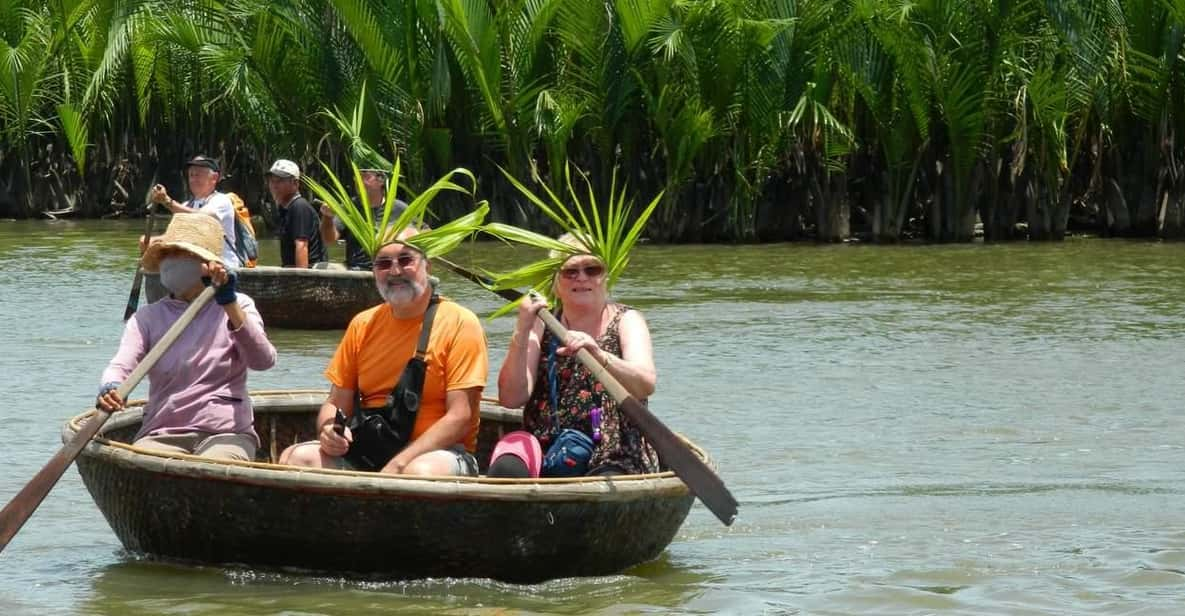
(180,274)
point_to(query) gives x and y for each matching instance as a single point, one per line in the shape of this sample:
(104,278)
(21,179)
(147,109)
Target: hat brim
(203,163)
(281,174)
(156,251)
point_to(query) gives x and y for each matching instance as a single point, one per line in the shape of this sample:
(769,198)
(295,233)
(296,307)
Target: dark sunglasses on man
(404,260)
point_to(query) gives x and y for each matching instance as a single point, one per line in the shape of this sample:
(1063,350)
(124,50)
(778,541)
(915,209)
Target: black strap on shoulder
(421,349)
(426,328)
(425,333)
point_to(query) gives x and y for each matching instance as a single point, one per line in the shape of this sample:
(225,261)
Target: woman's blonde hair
(575,241)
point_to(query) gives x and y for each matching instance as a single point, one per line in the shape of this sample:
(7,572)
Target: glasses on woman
(403,260)
(591,271)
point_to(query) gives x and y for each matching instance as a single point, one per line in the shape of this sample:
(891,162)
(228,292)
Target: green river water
(909,430)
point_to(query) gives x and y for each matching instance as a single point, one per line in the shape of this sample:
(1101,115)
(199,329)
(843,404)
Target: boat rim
(618,487)
(307,272)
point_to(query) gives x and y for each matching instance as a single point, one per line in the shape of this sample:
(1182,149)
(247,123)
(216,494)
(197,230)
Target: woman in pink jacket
(197,396)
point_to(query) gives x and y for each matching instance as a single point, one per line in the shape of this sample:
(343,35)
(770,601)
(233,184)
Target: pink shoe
(523,445)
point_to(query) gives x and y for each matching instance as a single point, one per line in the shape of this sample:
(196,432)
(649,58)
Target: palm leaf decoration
(351,131)
(604,231)
(373,234)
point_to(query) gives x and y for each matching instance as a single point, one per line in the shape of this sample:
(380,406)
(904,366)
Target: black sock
(509,466)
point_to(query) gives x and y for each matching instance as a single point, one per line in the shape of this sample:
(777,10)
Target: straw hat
(198,234)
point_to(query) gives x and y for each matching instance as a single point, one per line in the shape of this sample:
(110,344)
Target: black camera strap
(381,433)
(421,354)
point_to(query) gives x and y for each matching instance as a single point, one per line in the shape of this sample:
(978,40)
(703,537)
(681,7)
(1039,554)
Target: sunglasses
(385,263)
(591,271)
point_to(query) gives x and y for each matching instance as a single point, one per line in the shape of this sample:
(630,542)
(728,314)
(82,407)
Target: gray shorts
(466,463)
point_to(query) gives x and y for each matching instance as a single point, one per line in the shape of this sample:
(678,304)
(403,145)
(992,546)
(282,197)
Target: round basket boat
(298,298)
(261,514)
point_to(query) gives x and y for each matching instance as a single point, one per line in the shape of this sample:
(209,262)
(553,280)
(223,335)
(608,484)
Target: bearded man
(374,409)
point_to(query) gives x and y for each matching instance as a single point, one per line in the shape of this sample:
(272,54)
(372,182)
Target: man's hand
(332,443)
(160,195)
(394,467)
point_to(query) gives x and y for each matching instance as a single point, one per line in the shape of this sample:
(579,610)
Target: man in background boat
(369,377)
(374,181)
(197,397)
(296,221)
(202,174)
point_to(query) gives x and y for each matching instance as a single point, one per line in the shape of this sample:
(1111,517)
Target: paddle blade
(21,507)
(134,296)
(138,280)
(17,511)
(698,476)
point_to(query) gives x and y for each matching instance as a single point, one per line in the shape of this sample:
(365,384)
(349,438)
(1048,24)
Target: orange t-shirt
(376,347)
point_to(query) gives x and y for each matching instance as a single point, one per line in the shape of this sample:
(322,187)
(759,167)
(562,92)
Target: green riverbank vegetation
(757,120)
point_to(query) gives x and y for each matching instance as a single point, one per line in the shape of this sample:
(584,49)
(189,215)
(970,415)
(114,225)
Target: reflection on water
(909,429)
(135,586)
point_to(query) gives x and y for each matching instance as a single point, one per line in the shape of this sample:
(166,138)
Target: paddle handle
(21,507)
(612,385)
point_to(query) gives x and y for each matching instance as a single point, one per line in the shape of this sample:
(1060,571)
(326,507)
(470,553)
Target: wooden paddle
(138,281)
(700,478)
(18,510)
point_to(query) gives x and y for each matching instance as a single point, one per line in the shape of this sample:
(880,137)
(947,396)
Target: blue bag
(568,455)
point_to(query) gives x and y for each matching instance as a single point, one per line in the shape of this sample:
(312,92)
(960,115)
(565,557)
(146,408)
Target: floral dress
(622,444)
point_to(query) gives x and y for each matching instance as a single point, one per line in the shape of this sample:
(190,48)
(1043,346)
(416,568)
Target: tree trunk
(1117,218)
(998,211)
(833,211)
(1145,218)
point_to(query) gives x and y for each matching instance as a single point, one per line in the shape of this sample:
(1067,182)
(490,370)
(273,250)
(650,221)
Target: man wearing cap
(369,370)
(374,182)
(197,396)
(297,223)
(202,174)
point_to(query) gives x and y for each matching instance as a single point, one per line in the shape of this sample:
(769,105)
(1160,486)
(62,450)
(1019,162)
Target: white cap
(284,168)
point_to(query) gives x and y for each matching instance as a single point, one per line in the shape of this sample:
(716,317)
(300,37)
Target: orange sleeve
(343,368)
(468,359)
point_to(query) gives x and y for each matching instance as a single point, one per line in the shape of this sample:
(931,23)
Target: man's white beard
(397,294)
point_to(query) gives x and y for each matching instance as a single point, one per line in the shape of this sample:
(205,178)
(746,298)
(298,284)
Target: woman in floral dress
(543,375)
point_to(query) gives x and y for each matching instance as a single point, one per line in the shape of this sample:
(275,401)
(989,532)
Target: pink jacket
(200,384)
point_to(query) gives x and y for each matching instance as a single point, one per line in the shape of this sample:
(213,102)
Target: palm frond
(605,232)
(371,236)
(350,129)
(75,129)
